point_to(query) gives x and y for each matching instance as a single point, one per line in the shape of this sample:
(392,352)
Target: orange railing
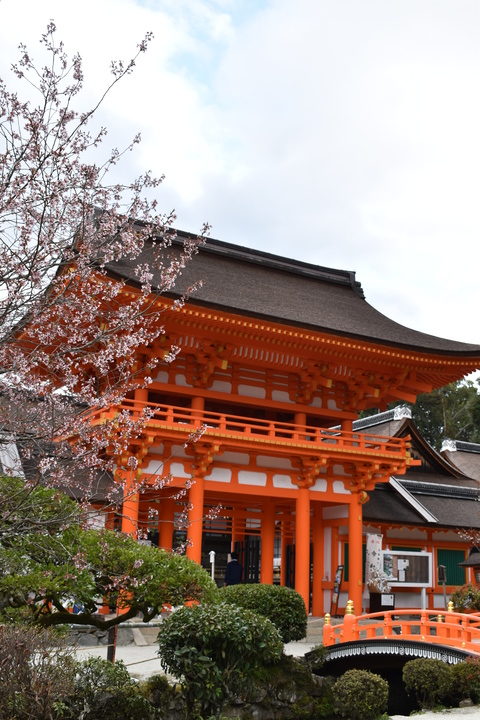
(449,628)
(185,420)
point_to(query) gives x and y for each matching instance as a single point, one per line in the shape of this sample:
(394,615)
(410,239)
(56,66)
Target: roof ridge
(454,445)
(399,412)
(279,262)
(439,490)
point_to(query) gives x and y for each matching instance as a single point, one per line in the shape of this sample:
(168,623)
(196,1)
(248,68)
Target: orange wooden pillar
(302,545)
(166,523)
(283,551)
(131,503)
(355,552)
(131,498)
(268,541)
(196,501)
(195,519)
(317,537)
(236,532)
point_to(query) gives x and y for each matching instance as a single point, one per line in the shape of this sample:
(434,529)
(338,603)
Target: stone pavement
(142,661)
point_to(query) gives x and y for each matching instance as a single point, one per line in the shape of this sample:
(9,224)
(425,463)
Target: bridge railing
(449,628)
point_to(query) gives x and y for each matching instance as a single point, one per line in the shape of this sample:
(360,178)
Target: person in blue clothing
(233,573)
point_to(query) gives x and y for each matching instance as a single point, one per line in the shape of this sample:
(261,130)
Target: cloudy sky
(344,133)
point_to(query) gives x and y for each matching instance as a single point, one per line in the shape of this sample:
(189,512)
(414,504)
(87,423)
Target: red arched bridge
(448,636)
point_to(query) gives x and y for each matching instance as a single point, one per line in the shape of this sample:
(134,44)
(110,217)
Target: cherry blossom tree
(70,331)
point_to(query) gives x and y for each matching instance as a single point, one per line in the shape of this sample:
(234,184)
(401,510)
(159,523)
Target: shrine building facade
(277,358)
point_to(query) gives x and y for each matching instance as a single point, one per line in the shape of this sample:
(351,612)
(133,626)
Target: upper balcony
(182,425)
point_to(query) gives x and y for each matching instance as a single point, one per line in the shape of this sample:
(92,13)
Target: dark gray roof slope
(463,455)
(258,284)
(385,505)
(450,497)
(449,510)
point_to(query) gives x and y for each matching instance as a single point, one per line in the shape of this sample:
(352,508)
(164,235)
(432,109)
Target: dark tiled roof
(467,461)
(259,284)
(385,505)
(440,486)
(452,512)
(457,511)
(398,423)
(419,475)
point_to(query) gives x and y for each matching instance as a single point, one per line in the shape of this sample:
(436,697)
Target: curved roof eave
(254,283)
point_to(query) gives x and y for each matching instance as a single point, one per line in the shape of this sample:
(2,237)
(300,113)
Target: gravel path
(466,713)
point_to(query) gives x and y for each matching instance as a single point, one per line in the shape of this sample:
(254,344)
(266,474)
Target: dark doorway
(249,555)
(220,543)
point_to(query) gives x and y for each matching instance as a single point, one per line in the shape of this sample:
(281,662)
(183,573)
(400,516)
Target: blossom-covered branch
(71,332)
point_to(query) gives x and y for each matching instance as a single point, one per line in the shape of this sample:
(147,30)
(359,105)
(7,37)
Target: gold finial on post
(349,607)
(327,631)
(450,606)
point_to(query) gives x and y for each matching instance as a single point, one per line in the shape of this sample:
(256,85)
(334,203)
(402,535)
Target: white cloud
(334,131)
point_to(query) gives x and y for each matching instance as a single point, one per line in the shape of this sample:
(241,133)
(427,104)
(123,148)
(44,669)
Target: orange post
(283,559)
(268,540)
(237,532)
(165,523)
(195,520)
(141,394)
(131,502)
(327,631)
(349,623)
(355,551)
(195,499)
(302,545)
(441,629)
(317,589)
(198,405)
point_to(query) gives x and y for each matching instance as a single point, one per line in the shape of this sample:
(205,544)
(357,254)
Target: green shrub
(429,681)
(282,605)
(213,649)
(360,695)
(466,679)
(466,598)
(316,658)
(105,690)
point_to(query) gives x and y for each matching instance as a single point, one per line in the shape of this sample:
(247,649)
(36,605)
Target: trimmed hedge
(360,695)
(466,679)
(282,605)
(430,681)
(214,649)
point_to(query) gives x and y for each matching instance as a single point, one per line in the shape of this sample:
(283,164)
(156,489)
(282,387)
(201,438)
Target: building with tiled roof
(274,353)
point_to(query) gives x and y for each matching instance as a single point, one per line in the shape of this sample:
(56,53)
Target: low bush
(466,679)
(213,649)
(466,598)
(315,658)
(105,690)
(429,681)
(282,605)
(360,695)
(36,673)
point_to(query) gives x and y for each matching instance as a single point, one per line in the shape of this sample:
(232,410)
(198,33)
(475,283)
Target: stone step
(146,635)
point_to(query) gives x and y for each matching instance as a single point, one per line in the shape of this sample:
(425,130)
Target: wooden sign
(337,583)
